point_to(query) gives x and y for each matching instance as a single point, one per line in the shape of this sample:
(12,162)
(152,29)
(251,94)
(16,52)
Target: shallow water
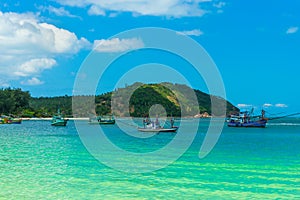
(38,161)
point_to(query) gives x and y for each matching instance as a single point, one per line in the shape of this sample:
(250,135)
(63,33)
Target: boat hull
(10,121)
(254,124)
(59,123)
(59,120)
(16,121)
(110,122)
(158,130)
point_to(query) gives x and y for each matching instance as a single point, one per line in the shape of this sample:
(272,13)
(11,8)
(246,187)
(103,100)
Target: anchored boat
(154,126)
(105,120)
(158,130)
(10,120)
(246,119)
(59,120)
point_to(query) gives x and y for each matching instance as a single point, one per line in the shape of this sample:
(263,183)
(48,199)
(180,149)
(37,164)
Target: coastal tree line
(20,103)
(13,101)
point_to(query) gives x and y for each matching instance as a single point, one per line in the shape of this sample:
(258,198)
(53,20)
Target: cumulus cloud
(32,81)
(61,11)
(281,105)
(28,47)
(173,8)
(34,67)
(117,45)
(292,30)
(195,32)
(241,105)
(96,10)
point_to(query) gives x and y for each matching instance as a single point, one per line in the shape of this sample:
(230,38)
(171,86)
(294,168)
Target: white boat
(105,120)
(155,126)
(158,130)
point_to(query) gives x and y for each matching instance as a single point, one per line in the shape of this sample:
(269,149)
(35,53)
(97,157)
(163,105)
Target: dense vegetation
(13,101)
(134,100)
(47,106)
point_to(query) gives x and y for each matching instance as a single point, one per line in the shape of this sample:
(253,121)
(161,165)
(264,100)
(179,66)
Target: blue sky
(255,44)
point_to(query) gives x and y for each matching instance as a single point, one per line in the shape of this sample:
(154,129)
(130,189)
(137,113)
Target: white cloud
(28,47)
(61,11)
(172,8)
(32,81)
(219,5)
(281,105)
(117,45)
(241,105)
(62,40)
(267,105)
(34,67)
(96,10)
(195,32)
(292,30)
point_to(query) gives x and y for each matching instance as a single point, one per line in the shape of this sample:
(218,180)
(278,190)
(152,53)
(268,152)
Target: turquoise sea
(38,161)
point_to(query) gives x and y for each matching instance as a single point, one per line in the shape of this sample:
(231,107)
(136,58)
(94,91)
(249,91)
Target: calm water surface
(38,161)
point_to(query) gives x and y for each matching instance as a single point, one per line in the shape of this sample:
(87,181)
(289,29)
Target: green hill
(135,100)
(177,100)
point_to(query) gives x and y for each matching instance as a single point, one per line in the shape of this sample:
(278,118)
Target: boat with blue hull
(256,124)
(246,119)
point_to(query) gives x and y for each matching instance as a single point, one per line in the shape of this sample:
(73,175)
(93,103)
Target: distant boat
(58,120)
(151,126)
(246,119)
(105,120)
(16,121)
(10,120)
(158,130)
(4,120)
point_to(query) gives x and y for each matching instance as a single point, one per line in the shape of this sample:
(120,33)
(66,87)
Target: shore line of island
(86,118)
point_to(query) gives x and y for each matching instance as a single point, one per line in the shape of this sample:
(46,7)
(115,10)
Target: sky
(254,44)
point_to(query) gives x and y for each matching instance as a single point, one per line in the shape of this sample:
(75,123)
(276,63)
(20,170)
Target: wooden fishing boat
(261,123)
(246,119)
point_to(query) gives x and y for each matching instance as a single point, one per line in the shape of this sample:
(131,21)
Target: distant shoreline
(86,118)
(50,118)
